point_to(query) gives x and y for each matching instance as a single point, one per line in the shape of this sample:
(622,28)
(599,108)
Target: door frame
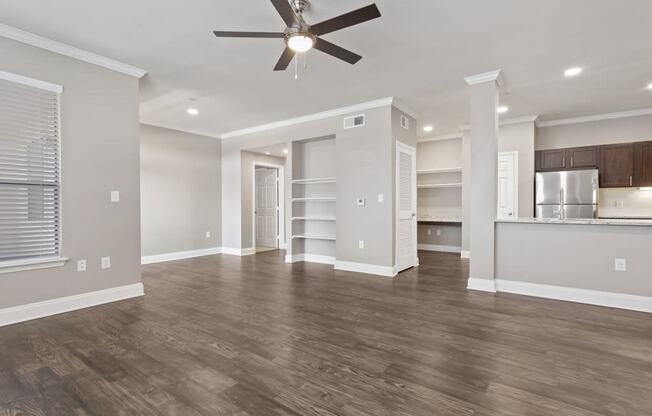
(516,181)
(400,145)
(280,183)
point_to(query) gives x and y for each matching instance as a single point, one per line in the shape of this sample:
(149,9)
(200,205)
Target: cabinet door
(643,164)
(551,159)
(616,165)
(582,157)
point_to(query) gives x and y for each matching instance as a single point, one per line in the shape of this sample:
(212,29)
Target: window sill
(33,264)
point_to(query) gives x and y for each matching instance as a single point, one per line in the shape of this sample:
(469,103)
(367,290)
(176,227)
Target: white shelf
(313,218)
(324,199)
(439,185)
(313,180)
(314,237)
(443,170)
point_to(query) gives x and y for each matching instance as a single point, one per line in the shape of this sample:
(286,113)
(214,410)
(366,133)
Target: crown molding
(167,126)
(451,136)
(383,102)
(8,76)
(28,38)
(519,120)
(495,76)
(597,117)
(405,109)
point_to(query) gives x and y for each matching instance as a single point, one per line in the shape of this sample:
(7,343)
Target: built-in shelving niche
(314,201)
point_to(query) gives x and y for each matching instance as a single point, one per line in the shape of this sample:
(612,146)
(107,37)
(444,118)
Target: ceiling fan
(301,37)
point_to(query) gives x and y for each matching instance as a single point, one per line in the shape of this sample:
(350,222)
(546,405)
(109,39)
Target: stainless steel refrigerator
(567,194)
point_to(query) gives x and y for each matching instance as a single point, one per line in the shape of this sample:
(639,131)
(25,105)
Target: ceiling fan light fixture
(301,42)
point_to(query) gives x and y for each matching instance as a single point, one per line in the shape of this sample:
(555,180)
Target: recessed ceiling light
(428,129)
(571,72)
(503,109)
(649,86)
(192,111)
(285,151)
(267,153)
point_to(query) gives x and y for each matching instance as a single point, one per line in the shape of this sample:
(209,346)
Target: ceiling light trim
(496,76)
(28,38)
(596,117)
(383,102)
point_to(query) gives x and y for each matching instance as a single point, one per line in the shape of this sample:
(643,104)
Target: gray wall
(576,256)
(99,152)
(451,234)
(364,169)
(621,130)
(180,191)
(520,137)
(247,178)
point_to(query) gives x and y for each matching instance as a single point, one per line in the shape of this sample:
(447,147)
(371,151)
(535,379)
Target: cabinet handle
(630,180)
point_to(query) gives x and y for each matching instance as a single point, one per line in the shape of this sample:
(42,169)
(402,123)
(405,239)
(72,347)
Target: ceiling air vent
(405,122)
(354,121)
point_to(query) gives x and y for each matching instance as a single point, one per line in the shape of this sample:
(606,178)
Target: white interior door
(266,207)
(507,197)
(406,207)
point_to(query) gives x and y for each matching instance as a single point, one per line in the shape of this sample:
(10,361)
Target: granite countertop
(602,221)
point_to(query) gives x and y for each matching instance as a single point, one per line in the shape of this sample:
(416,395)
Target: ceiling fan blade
(223,34)
(346,20)
(337,51)
(284,60)
(286,11)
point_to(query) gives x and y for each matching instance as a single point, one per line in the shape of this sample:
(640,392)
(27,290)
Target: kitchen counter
(602,221)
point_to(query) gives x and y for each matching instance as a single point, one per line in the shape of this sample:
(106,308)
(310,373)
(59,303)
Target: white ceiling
(419,52)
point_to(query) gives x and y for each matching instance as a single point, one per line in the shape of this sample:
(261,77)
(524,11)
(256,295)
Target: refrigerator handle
(562,211)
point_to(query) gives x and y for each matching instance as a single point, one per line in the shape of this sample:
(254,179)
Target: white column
(482,196)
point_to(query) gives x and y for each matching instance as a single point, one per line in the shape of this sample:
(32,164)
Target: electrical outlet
(620,265)
(620,204)
(115,196)
(438,231)
(362,202)
(429,231)
(208,234)
(361,244)
(381,197)
(106,262)
(81,265)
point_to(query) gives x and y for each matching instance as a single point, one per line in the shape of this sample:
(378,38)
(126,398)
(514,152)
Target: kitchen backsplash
(625,202)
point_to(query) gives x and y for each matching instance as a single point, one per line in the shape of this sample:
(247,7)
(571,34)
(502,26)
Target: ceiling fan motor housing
(299,5)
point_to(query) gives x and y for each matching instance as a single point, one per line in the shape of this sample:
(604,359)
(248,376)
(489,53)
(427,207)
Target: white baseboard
(388,271)
(158,258)
(592,297)
(238,251)
(483,285)
(36,310)
(311,258)
(465,254)
(436,247)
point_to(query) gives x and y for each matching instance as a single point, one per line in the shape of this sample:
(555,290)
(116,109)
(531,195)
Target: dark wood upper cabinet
(617,165)
(582,157)
(551,159)
(643,164)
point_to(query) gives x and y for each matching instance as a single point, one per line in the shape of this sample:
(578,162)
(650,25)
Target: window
(30,202)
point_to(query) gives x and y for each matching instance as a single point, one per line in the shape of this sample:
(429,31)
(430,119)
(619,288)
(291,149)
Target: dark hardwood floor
(224,335)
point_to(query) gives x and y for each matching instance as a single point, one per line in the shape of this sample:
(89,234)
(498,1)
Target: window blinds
(29,172)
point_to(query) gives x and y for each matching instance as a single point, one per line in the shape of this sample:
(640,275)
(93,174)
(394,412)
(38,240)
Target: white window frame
(51,261)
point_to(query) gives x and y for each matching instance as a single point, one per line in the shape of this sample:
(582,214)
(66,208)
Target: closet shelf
(314,237)
(439,185)
(313,180)
(442,170)
(313,218)
(319,199)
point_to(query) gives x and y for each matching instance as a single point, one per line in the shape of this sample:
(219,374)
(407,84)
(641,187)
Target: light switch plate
(620,265)
(429,231)
(381,197)
(115,196)
(106,262)
(81,265)
(208,234)
(361,244)
(438,231)
(620,204)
